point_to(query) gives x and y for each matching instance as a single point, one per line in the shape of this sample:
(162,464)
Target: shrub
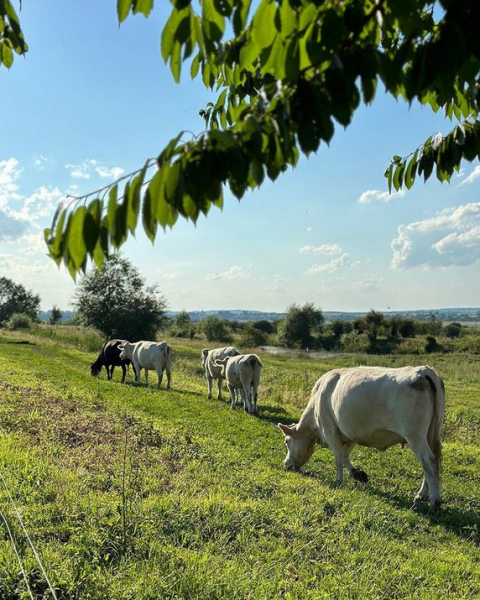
(252,337)
(19,321)
(355,342)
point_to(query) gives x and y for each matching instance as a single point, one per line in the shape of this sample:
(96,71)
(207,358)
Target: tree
(215,329)
(296,329)
(116,301)
(374,320)
(253,337)
(14,298)
(55,316)
(182,324)
(453,330)
(291,72)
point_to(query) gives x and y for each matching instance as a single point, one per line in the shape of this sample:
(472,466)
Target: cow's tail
(169,358)
(254,360)
(221,363)
(434,435)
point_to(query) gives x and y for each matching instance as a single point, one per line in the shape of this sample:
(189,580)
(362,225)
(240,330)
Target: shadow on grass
(463,522)
(19,342)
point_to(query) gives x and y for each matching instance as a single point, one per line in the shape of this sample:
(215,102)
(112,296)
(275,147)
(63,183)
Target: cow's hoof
(359,475)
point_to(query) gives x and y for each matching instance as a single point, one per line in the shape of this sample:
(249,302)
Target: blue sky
(91,101)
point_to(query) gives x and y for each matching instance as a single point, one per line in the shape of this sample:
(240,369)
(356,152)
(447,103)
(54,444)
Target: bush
(252,337)
(355,342)
(411,346)
(215,330)
(19,321)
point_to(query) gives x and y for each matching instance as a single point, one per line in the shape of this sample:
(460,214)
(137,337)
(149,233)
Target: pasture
(142,494)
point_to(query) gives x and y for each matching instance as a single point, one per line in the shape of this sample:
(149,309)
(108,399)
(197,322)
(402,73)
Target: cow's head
(205,352)
(95,368)
(300,446)
(125,350)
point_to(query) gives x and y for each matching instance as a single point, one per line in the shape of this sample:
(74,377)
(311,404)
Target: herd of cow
(368,406)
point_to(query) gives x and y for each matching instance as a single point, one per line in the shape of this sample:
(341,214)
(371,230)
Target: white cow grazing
(149,356)
(213,371)
(242,373)
(375,407)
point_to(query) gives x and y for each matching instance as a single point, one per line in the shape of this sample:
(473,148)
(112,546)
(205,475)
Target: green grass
(135,493)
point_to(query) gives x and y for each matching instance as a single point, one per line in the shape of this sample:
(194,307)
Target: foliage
(453,330)
(215,329)
(55,316)
(11,37)
(14,298)
(117,302)
(19,321)
(181,325)
(300,322)
(265,326)
(252,337)
(289,74)
(374,320)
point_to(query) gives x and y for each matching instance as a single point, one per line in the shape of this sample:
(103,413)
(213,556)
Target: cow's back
(150,354)
(219,354)
(376,406)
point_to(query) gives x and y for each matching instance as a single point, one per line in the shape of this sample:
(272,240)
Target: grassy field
(135,493)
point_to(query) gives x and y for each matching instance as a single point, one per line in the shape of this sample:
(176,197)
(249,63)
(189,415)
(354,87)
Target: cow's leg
(426,458)
(334,442)
(232,391)
(209,383)
(160,378)
(109,372)
(219,386)
(355,473)
(124,371)
(169,378)
(247,397)
(136,370)
(423,492)
(146,377)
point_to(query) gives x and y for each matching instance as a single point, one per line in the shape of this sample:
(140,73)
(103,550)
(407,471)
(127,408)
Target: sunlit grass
(131,492)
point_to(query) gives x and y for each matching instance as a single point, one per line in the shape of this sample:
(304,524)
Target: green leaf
(263,24)
(288,19)
(76,242)
(143,6)
(133,200)
(123,8)
(411,171)
(112,209)
(6,56)
(249,53)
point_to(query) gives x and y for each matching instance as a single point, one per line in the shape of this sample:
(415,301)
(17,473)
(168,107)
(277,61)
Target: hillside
(135,493)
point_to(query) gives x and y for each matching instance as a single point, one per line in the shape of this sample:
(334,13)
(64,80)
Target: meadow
(140,494)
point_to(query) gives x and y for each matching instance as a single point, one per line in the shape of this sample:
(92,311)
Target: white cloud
(309,228)
(90,167)
(474,175)
(324,249)
(9,173)
(113,173)
(377,196)
(369,285)
(452,238)
(344,261)
(40,161)
(171,276)
(234,272)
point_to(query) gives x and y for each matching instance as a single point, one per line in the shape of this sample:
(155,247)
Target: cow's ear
(290,430)
(205,352)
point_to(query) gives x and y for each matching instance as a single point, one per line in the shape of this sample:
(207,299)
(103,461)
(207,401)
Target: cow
(375,407)
(109,358)
(242,373)
(213,371)
(149,356)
